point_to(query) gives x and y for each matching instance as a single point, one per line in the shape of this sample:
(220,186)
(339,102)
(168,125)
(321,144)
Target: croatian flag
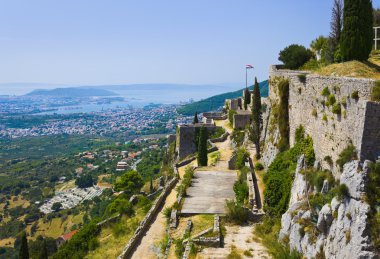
(248,66)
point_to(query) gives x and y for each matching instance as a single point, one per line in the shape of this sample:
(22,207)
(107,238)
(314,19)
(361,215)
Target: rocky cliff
(341,229)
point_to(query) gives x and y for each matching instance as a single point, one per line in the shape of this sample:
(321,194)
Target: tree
(84,181)
(336,22)
(151,185)
(196,120)
(256,118)
(24,252)
(130,182)
(56,206)
(202,147)
(44,252)
(294,56)
(247,98)
(357,34)
(376,17)
(320,47)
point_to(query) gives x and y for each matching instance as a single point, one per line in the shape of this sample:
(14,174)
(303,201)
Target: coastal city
(153,119)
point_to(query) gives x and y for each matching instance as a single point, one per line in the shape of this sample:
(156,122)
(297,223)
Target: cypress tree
(202,147)
(44,253)
(247,98)
(357,34)
(151,185)
(24,251)
(256,118)
(196,120)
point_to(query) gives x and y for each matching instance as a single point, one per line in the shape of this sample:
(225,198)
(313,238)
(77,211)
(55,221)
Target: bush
(302,78)
(342,192)
(259,166)
(375,95)
(347,155)
(241,187)
(325,92)
(300,133)
(241,157)
(355,95)
(294,56)
(218,133)
(337,109)
(238,137)
(231,114)
(236,212)
(373,194)
(331,99)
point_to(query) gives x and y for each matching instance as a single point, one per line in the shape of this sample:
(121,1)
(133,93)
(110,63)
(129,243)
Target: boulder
(355,178)
(299,187)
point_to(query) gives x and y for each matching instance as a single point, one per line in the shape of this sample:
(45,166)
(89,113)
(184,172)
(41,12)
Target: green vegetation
(241,157)
(300,133)
(373,196)
(283,118)
(150,164)
(24,250)
(268,231)
(325,92)
(255,129)
(241,187)
(348,154)
(355,95)
(195,120)
(236,212)
(357,35)
(130,182)
(259,166)
(186,181)
(85,181)
(238,137)
(231,114)
(302,78)
(202,147)
(294,56)
(278,179)
(331,99)
(337,109)
(216,102)
(247,98)
(218,133)
(375,94)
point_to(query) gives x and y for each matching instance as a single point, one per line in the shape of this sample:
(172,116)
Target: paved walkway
(208,192)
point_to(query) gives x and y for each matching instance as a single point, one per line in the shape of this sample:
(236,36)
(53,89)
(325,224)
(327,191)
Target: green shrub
(241,187)
(325,91)
(236,212)
(342,192)
(331,99)
(355,95)
(300,133)
(373,195)
(347,155)
(231,114)
(218,133)
(324,118)
(316,178)
(314,113)
(337,109)
(279,177)
(259,166)
(329,160)
(294,56)
(302,78)
(375,95)
(238,137)
(241,157)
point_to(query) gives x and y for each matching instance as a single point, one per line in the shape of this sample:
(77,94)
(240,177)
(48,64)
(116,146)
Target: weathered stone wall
(358,123)
(241,119)
(215,115)
(185,144)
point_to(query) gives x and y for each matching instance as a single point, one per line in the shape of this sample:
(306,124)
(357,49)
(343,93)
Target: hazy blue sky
(168,41)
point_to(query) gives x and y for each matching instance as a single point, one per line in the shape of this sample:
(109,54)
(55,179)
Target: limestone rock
(325,187)
(325,219)
(317,165)
(299,187)
(355,179)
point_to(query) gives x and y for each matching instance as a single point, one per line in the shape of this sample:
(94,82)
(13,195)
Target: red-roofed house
(65,237)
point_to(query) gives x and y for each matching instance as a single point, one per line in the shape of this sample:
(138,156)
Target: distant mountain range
(72,92)
(216,102)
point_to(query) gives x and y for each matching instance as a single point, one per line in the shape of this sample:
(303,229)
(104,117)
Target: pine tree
(357,34)
(24,251)
(196,120)
(202,147)
(256,118)
(247,98)
(151,185)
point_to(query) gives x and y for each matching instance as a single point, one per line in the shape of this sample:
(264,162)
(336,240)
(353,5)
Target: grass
(110,245)
(56,227)
(17,201)
(65,186)
(202,222)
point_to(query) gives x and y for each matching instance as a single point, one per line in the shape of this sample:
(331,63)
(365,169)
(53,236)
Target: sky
(95,42)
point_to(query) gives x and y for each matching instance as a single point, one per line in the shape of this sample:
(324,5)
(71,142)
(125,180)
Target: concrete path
(208,192)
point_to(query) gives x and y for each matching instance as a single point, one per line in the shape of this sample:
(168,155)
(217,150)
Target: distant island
(72,92)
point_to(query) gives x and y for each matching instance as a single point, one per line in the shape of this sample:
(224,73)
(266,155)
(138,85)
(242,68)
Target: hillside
(72,92)
(217,101)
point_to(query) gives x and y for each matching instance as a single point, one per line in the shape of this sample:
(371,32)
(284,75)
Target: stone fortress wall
(359,121)
(185,144)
